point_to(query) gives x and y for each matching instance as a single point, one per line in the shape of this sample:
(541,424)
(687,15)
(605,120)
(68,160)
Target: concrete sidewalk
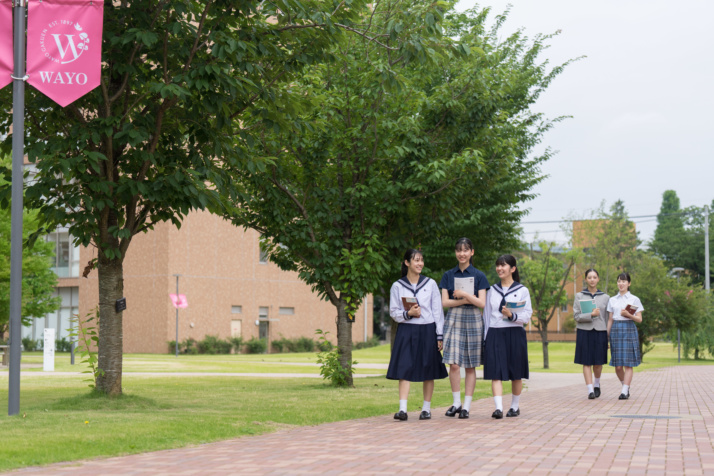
(666,427)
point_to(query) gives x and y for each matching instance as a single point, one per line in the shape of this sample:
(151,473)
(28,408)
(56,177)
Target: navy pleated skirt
(505,355)
(591,347)
(415,355)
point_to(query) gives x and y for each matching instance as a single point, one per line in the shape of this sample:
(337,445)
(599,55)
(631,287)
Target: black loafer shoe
(513,413)
(592,396)
(597,392)
(498,414)
(463,414)
(453,411)
(425,415)
(623,396)
(401,416)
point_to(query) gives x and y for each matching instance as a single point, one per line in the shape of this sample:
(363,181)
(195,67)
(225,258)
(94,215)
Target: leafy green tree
(180,79)
(38,279)
(394,150)
(679,236)
(700,339)
(545,277)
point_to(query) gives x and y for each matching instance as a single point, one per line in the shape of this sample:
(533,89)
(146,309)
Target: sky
(642,105)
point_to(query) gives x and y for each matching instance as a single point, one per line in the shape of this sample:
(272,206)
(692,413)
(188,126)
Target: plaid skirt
(624,345)
(463,336)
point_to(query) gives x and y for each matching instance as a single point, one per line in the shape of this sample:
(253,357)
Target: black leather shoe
(425,415)
(592,396)
(453,411)
(623,396)
(463,414)
(498,414)
(401,416)
(513,413)
(597,392)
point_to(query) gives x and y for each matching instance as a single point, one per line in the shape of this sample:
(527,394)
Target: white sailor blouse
(427,293)
(497,297)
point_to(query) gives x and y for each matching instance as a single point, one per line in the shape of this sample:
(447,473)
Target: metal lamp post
(177,312)
(679,334)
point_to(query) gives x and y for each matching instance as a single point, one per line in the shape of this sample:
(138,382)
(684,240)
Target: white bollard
(49,347)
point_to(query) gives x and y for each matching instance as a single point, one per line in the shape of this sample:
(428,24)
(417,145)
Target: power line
(594,219)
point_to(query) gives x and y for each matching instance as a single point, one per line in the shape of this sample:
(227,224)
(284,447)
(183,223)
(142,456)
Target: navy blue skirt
(505,355)
(415,355)
(591,347)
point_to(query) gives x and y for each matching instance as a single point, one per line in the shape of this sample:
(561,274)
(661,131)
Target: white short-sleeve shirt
(620,301)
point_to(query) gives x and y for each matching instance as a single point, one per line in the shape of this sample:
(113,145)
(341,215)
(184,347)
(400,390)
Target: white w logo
(70,46)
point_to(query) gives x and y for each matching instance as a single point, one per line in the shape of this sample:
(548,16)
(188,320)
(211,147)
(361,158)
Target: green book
(587,306)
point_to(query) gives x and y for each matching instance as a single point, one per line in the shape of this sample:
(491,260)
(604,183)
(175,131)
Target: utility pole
(18,156)
(707,284)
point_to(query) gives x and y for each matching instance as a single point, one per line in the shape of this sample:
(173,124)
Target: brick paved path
(558,432)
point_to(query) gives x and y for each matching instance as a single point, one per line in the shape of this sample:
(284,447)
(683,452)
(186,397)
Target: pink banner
(6,61)
(179,301)
(64,47)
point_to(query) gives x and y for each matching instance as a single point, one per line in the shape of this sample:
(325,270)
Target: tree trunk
(544,339)
(393,333)
(696,354)
(344,339)
(110,347)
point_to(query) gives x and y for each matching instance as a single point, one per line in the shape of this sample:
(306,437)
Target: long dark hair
(625,277)
(591,270)
(510,260)
(408,256)
(464,243)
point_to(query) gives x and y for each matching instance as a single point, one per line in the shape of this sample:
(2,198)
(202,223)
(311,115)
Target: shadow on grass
(94,400)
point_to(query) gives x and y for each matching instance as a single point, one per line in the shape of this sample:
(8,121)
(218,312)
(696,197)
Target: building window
(263,323)
(287,311)
(564,307)
(58,320)
(236,309)
(66,263)
(263,257)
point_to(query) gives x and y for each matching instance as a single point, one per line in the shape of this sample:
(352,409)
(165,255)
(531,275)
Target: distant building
(231,289)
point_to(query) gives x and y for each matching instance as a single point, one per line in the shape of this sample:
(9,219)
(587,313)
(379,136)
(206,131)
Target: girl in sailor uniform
(591,339)
(416,355)
(463,292)
(508,308)
(621,329)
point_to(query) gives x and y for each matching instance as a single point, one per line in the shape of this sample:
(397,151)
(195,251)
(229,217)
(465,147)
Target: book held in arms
(631,309)
(464,284)
(587,306)
(409,302)
(514,306)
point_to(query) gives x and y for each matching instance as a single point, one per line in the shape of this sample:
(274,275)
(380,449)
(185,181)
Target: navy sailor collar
(514,287)
(404,281)
(597,293)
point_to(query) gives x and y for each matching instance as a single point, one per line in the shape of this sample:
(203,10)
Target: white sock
(403,406)
(596,382)
(590,389)
(622,382)
(457,398)
(625,389)
(426,407)
(514,401)
(467,403)
(499,403)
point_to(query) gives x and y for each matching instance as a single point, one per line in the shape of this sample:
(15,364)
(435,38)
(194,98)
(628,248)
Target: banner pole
(18,155)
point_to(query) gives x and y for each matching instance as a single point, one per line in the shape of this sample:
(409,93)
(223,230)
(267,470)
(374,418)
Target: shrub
(31,345)
(236,343)
(256,346)
(305,344)
(372,342)
(63,345)
(188,346)
(281,345)
(330,367)
(214,345)
(569,325)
